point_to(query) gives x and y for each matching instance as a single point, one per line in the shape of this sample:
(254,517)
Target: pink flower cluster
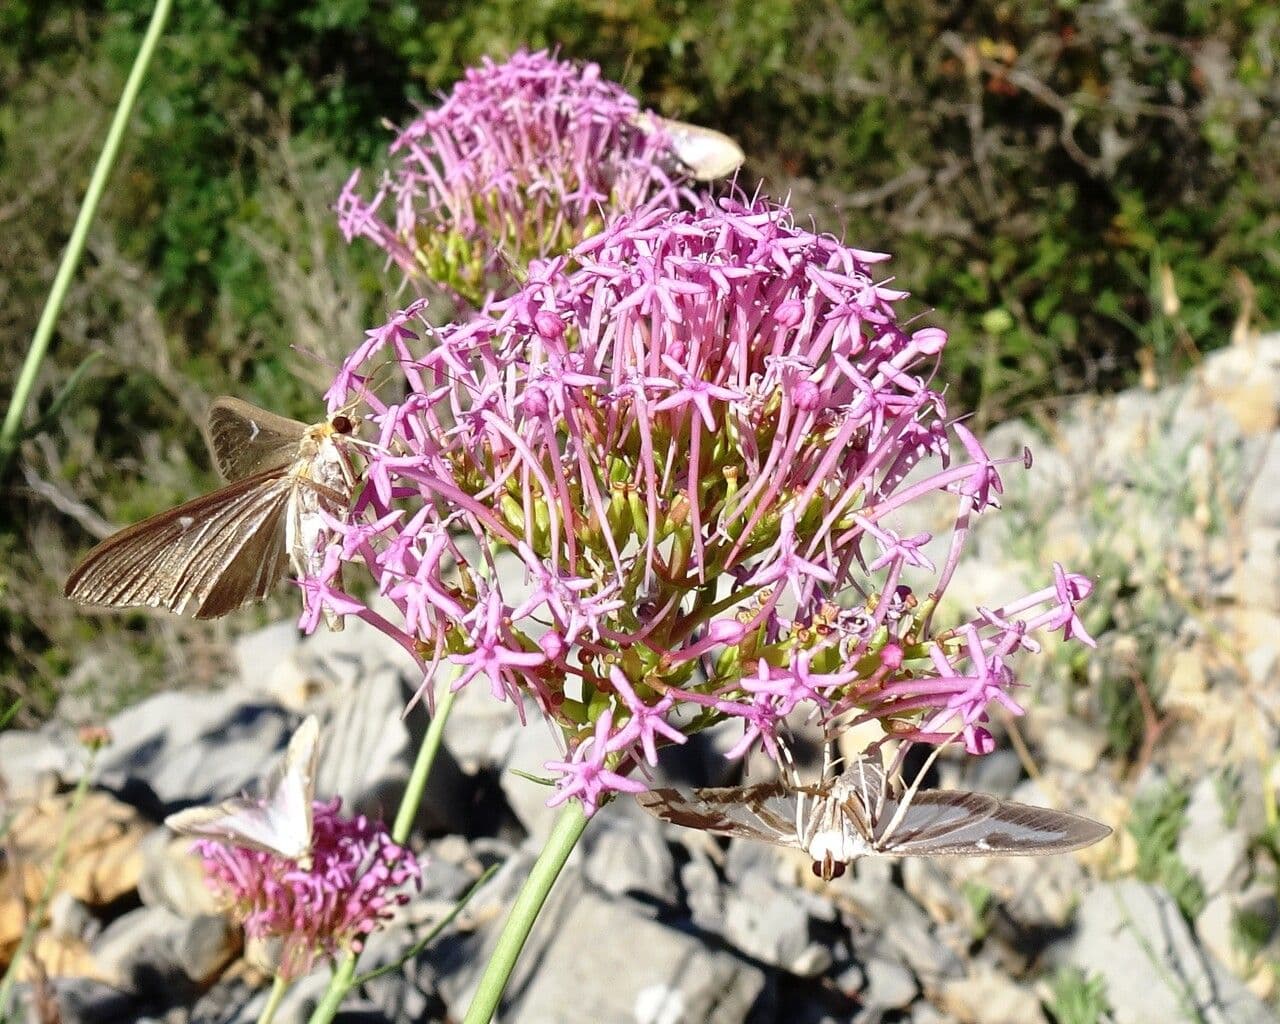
(357,875)
(521,160)
(661,486)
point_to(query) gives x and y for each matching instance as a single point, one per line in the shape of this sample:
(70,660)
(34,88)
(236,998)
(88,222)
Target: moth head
(828,868)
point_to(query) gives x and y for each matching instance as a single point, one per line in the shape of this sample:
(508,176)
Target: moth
(858,813)
(279,821)
(704,152)
(212,555)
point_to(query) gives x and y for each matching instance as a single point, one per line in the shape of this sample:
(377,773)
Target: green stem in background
(417,783)
(79,234)
(563,838)
(344,974)
(50,883)
(278,988)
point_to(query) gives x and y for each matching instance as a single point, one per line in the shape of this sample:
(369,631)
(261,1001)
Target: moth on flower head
(860,813)
(293,870)
(279,820)
(704,152)
(210,556)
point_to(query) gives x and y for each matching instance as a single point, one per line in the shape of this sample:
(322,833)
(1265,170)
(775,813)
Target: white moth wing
(706,153)
(951,823)
(764,812)
(278,822)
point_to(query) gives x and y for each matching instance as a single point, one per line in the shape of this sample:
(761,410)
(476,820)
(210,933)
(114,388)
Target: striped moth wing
(278,821)
(857,814)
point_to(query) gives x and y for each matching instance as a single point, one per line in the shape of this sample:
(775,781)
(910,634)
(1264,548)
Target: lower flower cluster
(356,878)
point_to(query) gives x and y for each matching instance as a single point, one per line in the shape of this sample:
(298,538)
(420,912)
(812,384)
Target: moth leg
(914,788)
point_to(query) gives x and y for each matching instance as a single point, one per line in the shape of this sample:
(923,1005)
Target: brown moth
(280,820)
(704,152)
(210,556)
(860,813)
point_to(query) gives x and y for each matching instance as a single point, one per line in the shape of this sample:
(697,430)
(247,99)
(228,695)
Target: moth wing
(245,440)
(214,553)
(240,822)
(945,822)
(278,822)
(291,786)
(765,812)
(707,153)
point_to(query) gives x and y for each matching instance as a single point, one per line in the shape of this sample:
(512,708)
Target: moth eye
(837,869)
(342,425)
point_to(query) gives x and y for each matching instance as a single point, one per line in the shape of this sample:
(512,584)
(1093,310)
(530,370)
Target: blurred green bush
(1077,190)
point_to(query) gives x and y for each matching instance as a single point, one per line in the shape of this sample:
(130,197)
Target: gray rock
(702,890)
(771,925)
(70,918)
(640,970)
(1214,851)
(988,997)
(1132,936)
(996,773)
(194,747)
(172,876)
(79,1001)
(1217,924)
(889,986)
(206,946)
(897,928)
(34,761)
(368,748)
(152,948)
(533,747)
(624,854)
(265,660)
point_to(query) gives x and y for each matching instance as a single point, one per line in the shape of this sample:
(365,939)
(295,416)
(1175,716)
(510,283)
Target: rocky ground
(1170,497)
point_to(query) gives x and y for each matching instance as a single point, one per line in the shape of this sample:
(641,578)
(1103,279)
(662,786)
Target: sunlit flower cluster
(521,160)
(663,485)
(357,876)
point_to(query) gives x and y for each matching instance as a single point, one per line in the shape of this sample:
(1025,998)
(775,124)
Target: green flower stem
(50,883)
(344,973)
(563,838)
(422,767)
(278,988)
(79,234)
(339,985)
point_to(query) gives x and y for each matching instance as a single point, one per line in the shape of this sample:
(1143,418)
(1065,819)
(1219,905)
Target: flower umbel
(662,485)
(357,876)
(521,160)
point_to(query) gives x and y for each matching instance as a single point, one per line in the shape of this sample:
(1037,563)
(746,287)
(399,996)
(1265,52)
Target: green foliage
(1078,998)
(1155,824)
(980,901)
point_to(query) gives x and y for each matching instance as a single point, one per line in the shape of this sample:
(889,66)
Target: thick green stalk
(345,972)
(563,838)
(79,234)
(278,988)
